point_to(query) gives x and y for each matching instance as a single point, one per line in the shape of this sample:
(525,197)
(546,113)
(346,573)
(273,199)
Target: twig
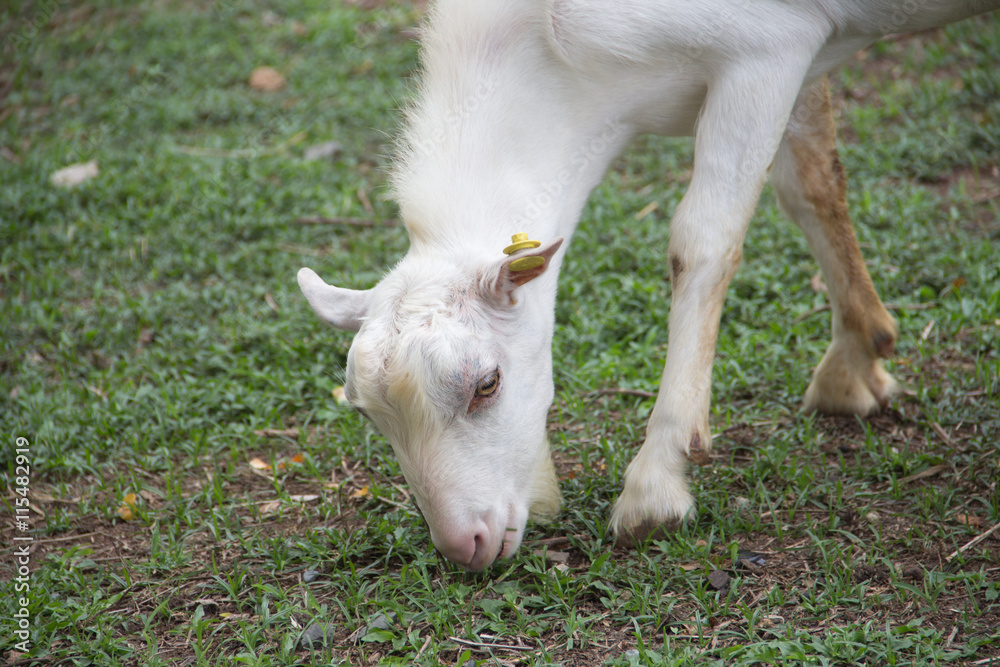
(930,472)
(889,306)
(619,391)
(277,433)
(973,542)
(986,661)
(351,222)
(427,642)
(556,541)
(509,647)
(239,153)
(985,196)
(66,538)
(394,503)
(940,431)
(812,311)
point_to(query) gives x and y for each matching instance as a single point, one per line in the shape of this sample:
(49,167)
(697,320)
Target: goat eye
(489,384)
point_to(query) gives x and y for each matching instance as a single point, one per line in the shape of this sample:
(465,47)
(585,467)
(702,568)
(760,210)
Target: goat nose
(470,549)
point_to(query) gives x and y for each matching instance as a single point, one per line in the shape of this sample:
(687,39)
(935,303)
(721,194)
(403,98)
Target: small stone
(316,635)
(873,517)
(875,574)
(632,654)
(718,580)
(913,572)
(310,576)
(381,622)
(848,515)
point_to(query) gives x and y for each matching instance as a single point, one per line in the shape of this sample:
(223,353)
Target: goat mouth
(510,542)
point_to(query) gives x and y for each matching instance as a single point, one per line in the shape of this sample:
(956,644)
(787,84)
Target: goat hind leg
(811,188)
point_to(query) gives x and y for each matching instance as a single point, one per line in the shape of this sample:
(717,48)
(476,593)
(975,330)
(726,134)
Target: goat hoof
(649,529)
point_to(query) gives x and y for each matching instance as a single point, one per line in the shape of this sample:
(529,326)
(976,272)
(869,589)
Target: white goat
(522,106)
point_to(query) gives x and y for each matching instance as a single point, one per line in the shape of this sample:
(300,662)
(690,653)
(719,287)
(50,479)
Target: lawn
(198,496)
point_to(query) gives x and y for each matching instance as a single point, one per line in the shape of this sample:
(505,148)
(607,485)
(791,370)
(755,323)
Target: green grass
(151,324)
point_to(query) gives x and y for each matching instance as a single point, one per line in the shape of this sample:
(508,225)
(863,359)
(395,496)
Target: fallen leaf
(272,304)
(927,330)
(75,174)
(970,520)
(299,458)
(555,556)
(327,149)
(127,507)
(270,507)
(100,393)
(258,464)
(266,79)
(363,492)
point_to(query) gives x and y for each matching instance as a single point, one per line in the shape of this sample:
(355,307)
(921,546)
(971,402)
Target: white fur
(521,107)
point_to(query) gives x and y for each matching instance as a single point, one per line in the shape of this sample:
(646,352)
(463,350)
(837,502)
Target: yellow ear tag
(520,242)
(525,263)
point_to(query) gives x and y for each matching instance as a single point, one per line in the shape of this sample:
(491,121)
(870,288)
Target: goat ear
(343,308)
(520,268)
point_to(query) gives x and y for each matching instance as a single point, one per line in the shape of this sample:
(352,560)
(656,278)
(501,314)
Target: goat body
(521,107)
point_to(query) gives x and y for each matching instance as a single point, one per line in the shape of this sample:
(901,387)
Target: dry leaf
(266,79)
(75,174)
(100,393)
(299,458)
(272,304)
(258,464)
(270,507)
(969,520)
(327,149)
(363,492)
(128,504)
(927,330)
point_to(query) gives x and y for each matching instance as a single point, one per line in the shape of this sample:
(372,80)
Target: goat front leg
(739,131)
(811,188)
